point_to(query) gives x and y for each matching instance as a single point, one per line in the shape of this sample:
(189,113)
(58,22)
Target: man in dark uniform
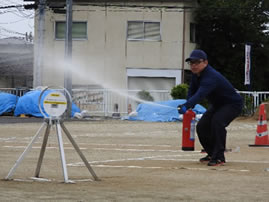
(225,104)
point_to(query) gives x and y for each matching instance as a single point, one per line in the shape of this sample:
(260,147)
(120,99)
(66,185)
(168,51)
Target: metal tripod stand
(59,127)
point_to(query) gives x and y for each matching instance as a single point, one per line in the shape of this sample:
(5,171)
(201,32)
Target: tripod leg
(79,152)
(42,151)
(60,140)
(28,148)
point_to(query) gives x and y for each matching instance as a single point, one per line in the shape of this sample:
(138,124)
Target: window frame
(144,33)
(73,38)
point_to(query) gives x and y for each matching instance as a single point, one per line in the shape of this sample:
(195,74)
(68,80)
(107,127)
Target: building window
(193,37)
(143,31)
(79,30)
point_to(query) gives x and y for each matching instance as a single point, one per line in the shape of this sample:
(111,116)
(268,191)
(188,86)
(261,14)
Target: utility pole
(39,50)
(68,52)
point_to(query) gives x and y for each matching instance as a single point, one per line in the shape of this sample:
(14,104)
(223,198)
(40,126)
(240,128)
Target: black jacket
(212,86)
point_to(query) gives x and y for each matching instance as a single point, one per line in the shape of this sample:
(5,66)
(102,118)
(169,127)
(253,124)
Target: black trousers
(211,129)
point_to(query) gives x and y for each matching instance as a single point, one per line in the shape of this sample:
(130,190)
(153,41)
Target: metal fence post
(256,99)
(106,102)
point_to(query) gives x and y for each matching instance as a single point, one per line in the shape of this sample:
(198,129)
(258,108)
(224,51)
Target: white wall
(103,58)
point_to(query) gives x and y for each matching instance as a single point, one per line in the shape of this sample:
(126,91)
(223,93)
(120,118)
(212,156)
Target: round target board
(55,104)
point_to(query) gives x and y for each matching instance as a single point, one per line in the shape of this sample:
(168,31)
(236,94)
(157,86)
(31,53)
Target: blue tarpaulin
(7,102)
(28,104)
(165,111)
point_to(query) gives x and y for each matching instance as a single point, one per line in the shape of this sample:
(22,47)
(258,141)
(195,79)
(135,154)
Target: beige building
(116,44)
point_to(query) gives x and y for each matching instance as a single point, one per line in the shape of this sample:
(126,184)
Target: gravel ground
(135,161)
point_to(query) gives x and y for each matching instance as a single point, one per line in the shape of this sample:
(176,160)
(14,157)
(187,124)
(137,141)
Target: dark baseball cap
(197,55)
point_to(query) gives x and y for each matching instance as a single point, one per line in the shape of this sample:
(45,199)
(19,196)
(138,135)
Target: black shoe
(216,162)
(205,159)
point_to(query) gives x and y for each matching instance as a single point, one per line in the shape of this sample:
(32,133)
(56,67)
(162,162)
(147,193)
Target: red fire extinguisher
(188,131)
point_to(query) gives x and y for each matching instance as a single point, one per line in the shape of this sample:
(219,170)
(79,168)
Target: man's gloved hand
(181,109)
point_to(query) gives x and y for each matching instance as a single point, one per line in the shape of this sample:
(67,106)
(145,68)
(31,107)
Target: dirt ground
(135,161)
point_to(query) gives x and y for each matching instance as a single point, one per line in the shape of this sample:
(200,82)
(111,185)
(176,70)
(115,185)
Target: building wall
(103,59)
(4,83)
(16,63)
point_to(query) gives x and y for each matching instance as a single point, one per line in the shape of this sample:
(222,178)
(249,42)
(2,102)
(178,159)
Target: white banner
(247,64)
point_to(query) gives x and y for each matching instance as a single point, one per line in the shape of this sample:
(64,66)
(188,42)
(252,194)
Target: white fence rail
(252,99)
(15,91)
(106,102)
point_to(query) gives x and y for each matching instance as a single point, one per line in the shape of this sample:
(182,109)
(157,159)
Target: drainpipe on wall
(183,46)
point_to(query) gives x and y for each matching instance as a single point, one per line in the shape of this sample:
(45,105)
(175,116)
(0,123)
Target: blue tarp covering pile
(165,111)
(28,104)
(7,102)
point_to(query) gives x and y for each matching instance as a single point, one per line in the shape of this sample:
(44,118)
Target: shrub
(179,91)
(248,106)
(145,95)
